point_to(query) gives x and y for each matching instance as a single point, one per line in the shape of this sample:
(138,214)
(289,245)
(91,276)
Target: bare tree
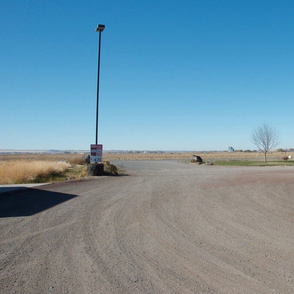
(265,138)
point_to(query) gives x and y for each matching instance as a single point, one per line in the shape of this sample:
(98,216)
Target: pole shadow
(29,201)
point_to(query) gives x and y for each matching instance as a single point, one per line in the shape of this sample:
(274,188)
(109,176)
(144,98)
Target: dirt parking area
(163,227)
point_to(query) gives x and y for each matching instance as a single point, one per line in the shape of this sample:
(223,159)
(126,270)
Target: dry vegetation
(75,159)
(69,158)
(39,168)
(27,168)
(206,156)
(23,171)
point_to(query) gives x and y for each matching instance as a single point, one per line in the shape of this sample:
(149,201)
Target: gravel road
(164,227)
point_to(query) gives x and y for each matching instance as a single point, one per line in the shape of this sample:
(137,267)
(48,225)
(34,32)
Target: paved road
(166,227)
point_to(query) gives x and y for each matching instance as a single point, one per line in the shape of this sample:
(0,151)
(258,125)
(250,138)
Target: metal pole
(98,80)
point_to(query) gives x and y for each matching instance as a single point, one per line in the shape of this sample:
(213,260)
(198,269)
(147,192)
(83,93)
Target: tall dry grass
(26,171)
(206,156)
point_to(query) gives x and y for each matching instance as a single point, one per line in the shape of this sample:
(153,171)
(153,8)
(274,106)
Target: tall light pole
(99,29)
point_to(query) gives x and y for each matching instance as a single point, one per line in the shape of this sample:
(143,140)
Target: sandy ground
(166,227)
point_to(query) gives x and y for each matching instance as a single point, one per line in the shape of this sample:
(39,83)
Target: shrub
(281,150)
(74,160)
(110,169)
(107,169)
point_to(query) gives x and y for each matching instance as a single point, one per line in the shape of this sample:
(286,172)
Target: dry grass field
(69,158)
(206,156)
(23,171)
(28,168)
(39,168)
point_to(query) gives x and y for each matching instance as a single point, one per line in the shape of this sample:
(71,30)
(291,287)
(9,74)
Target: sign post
(96,153)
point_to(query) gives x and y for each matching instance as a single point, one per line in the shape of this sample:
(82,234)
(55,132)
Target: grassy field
(206,156)
(39,168)
(255,163)
(69,158)
(18,172)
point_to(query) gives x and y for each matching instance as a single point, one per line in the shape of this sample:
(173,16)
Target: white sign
(96,153)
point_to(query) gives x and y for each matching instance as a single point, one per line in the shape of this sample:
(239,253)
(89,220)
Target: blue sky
(175,75)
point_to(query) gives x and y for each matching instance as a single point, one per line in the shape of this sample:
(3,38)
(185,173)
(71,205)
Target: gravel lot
(164,227)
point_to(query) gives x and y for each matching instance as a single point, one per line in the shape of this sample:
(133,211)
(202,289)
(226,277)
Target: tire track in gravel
(166,228)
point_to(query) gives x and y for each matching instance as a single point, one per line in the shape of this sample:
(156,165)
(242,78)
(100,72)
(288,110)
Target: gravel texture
(163,227)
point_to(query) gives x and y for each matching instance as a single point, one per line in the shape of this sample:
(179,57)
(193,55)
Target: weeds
(23,171)
(253,163)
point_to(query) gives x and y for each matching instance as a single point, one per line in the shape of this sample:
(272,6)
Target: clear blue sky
(175,75)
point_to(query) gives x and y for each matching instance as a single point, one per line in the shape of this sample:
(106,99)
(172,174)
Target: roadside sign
(96,153)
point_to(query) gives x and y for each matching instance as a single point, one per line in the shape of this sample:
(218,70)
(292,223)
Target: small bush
(79,159)
(84,172)
(110,169)
(281,150)
(86,158)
